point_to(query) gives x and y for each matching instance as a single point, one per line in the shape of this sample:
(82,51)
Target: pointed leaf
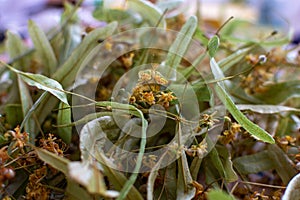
(117,179)
(64,117)
(16,47)
(267,109)
(54,160)
(284,166)
(252,128)
(255,163)
(213,45)
(26,102)
(45,83)
(225,157)
(181,43)
(152,177)
(76,192)
(43,47)
(91,178)
(66,74)
(184,188)
(41,82)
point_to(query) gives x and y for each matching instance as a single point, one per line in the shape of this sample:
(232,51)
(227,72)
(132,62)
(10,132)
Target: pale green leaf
(66,74)
(225,158)
(43,47)
(16,47)
(252,128)
(185,190)
(41,82)
(251,164)
(45,83)
(267,109)
(64,117)
(30,125)
(152,177)
(181,43)
(54,160)
(75,192)
(148,11)
(284,166)
(117,179)
(213,45)
(91,178)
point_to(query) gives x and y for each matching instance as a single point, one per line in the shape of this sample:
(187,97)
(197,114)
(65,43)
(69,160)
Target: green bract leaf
(213,45)
(43,47)
(252,128)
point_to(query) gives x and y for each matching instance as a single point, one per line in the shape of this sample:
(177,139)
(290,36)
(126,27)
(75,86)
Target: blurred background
(277,14)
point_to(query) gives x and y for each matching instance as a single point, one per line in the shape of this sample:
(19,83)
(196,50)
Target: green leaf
(148,11)
(54,160)
(14,115)
(184,188)
(231,60)
(225,158)
(41,82)
(170,182)
(64,117)
(219,194)
(45,83)
(134,111)
(277,93)
(91,178)
(43,47)
(76,192)
(86,119)
(213,45)
(30,125)
(267,109)
(249,126)
(255,163)
(283,166)
(117,179)
(16,47)
(66,74)
(181,43)
(195,167)
(152,177)
(216,161)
